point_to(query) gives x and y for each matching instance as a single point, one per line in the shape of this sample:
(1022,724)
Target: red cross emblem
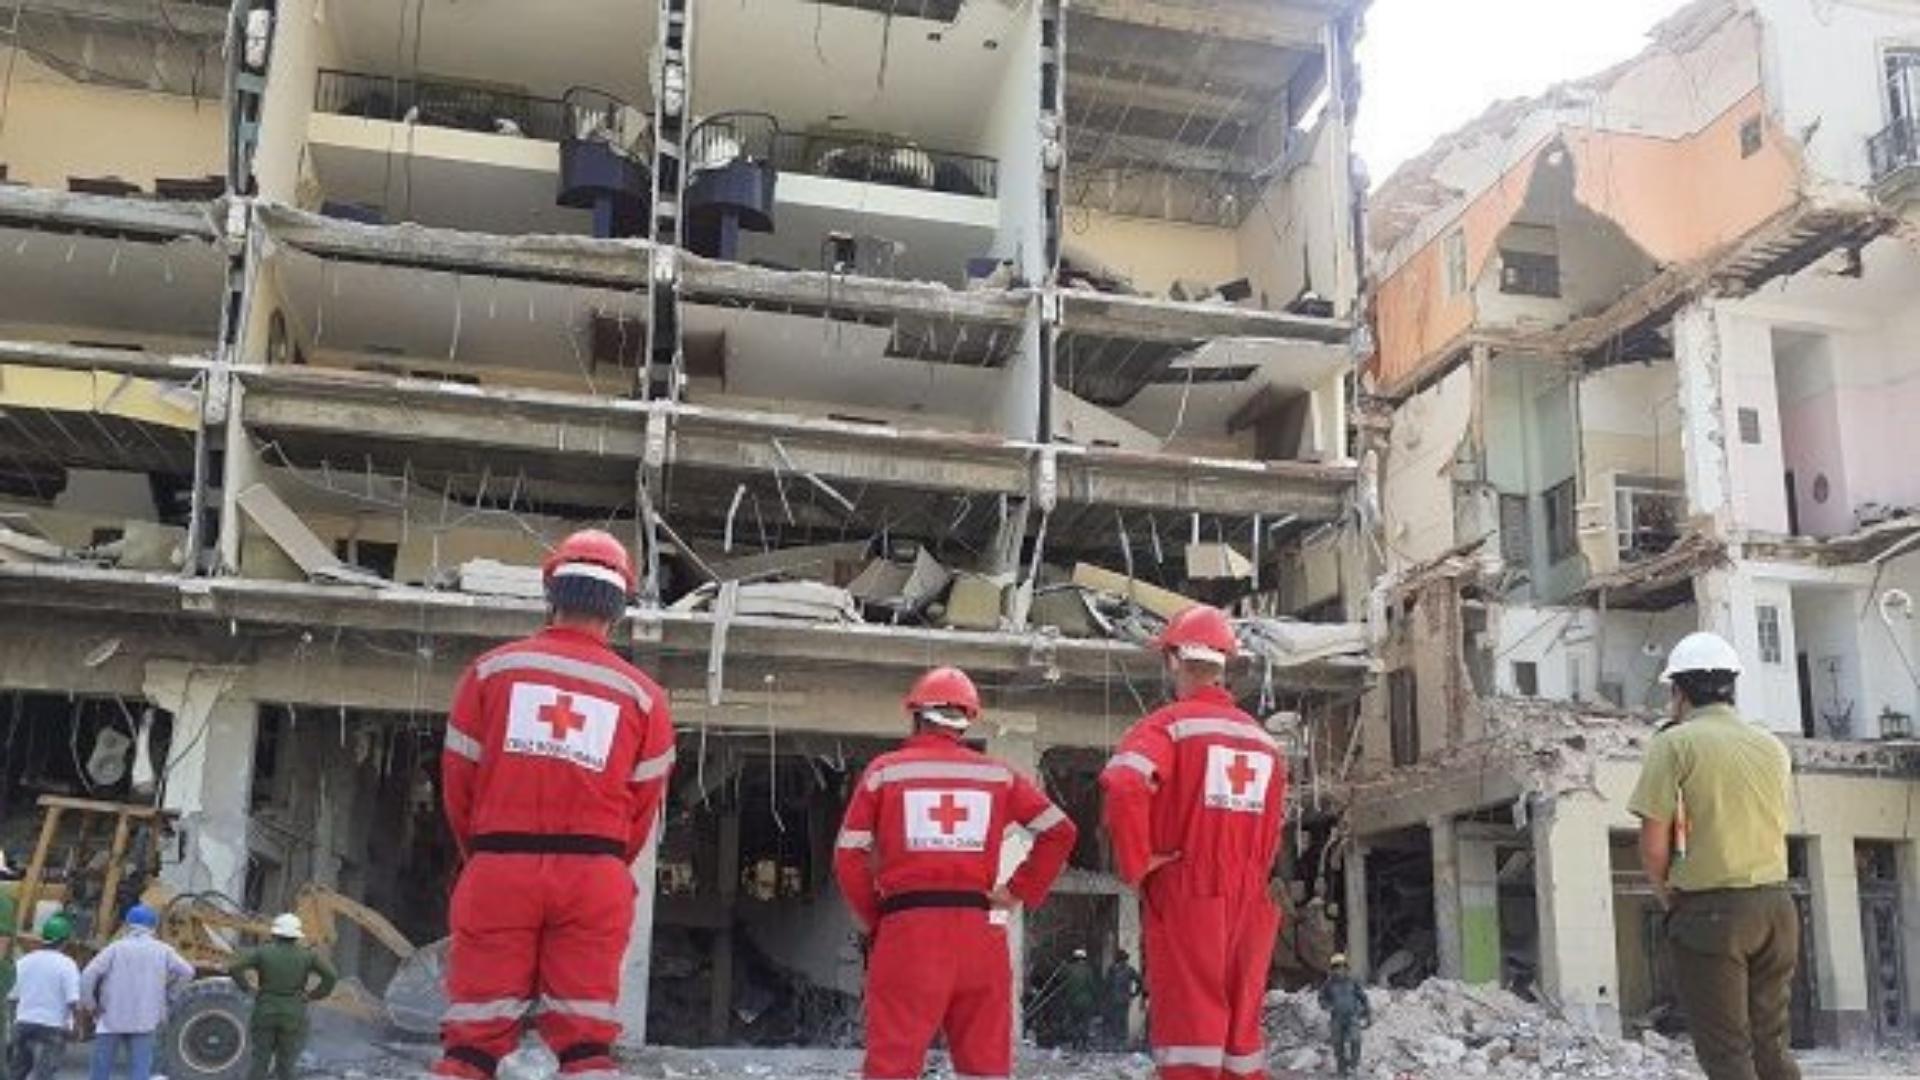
(1240,774)
(949,815)
(561,719)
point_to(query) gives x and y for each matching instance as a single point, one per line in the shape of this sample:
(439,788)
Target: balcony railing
(725,138)
(1895,148)
(438,104)
(878,160)
(597,116)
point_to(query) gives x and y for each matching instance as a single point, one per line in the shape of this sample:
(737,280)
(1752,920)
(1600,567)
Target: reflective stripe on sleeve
(938,770)
(855,840)
(654,768)
(1226,729)
(463,744)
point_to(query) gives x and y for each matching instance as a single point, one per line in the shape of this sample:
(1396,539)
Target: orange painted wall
(1680,199)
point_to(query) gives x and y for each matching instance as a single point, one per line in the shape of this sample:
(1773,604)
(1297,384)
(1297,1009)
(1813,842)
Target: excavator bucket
(416,999)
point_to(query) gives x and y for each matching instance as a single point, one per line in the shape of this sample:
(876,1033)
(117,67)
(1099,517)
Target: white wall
(1769,693)
(1013,137)
(303,44)
(1825,74)
(1306,216)
(1416,488)
(1758,496)
(1826,628)
(1578,650)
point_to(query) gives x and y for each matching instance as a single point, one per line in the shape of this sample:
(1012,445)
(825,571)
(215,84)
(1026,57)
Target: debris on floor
(1446,1029)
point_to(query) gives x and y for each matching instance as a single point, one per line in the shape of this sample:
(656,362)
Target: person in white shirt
(46,991)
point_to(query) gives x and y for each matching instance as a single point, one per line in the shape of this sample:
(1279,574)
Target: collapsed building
(891,332)
(1642,348)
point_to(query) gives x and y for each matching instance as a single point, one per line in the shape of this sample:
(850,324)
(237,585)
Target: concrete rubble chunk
(490,577)
(301,544)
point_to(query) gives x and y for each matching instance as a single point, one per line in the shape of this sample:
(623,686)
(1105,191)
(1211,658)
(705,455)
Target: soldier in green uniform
(283,971)
(1713,802)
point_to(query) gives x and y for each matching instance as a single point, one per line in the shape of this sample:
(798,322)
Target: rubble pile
(1445,1029)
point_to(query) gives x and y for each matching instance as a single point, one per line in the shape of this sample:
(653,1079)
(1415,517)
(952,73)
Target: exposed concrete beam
(103,215)
(184,20)
(1137,318)
(712,280)
(1172,90)
(1293,25)
(422,613)
(1410,798)
(1203,485)
(48,354)
(575,260)
(952,463)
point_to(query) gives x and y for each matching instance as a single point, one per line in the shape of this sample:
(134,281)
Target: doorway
(1882,936)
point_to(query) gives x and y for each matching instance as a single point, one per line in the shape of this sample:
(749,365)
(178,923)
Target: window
(1454,248)
(1516,532)
(1750,426)
(1751,137)
(1768,617)
(1526,678)
(1903,85)
(1647,511)
(1529,273)
(1563,540)
(1403,717)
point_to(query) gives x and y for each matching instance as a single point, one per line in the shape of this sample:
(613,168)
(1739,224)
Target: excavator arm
(320,909)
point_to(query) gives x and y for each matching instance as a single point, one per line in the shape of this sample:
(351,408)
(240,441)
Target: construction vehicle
(96,859)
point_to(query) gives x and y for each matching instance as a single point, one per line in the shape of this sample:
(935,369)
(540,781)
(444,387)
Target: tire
(206,1036)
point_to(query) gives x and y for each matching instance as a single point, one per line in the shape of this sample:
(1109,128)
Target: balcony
(1895,156)
(877,159)
(436,104)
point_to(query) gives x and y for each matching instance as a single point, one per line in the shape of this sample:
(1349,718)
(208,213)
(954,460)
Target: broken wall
(1300,231)
(1152,253)
(1417,485)
(1583,655)
(1630,428)
(1826,79)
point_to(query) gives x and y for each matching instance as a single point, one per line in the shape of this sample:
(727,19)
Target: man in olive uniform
(1713,807)
(284,971)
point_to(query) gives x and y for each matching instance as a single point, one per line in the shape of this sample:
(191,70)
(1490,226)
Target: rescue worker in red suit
(1195,799)
(557,756)
(918,861)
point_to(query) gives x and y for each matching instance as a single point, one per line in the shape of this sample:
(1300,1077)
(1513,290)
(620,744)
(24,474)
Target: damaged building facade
(1642,349)
(891,332)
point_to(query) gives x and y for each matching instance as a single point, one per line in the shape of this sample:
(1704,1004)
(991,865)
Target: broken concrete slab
(279,522)
(491,577)
(809,600)
(1217,562)
(902,588)
(827,563)
(1066,609)
(21,542)
(977,602)
(1162,602)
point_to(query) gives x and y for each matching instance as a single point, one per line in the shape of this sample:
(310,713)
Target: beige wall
(56,128)
(1154,253)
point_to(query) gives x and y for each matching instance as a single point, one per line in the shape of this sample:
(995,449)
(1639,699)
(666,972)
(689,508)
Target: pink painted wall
(1812,445)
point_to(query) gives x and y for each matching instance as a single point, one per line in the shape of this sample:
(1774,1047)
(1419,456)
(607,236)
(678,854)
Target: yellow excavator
(95,859)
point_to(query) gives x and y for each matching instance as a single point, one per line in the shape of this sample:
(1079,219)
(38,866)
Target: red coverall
(1200,780)
(918,853)
(556,760)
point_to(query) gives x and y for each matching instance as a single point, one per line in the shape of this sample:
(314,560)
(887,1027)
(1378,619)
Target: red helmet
(591,553)
(945,688)
(1201,632)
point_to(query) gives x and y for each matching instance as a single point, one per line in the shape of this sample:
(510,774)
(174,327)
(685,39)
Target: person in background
(1348,1011)
(46,992)
(1079,999)
(1122,987)
(125,990)
(1713,802)
(286,976)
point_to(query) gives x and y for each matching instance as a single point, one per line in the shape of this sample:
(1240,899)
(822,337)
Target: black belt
(912,901)
(513,843)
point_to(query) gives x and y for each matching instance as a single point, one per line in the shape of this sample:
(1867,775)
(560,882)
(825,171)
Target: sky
(1429,66)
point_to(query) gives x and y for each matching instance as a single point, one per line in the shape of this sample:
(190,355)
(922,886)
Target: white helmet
(288,926)
(1701,651)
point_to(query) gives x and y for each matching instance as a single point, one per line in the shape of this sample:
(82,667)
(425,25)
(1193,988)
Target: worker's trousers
(540,936)
(934,970)
(1346,1043)
(1734,952)
(1208,952)
(277,1043)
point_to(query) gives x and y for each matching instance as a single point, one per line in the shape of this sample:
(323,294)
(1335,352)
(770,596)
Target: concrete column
(1703,434)
(209,776)
(637,967)
(1573,887)
(1839,952)
(1359,945)
(1128,933)
(1015,746)
(1479,869)
(1446,897)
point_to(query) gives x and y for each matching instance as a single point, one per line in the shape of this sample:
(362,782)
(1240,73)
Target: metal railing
(894,162)
(438,104)
(597,116)
(724,138)
(1897,147)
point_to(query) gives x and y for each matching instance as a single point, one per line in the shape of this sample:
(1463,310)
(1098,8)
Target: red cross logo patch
(947,820)
(1237,779)
(546,721)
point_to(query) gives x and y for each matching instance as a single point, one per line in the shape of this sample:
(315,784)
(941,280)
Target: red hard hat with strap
(1202,632)
(591,553)
(945,688)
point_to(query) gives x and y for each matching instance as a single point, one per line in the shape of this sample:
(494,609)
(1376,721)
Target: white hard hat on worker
(1701,652)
